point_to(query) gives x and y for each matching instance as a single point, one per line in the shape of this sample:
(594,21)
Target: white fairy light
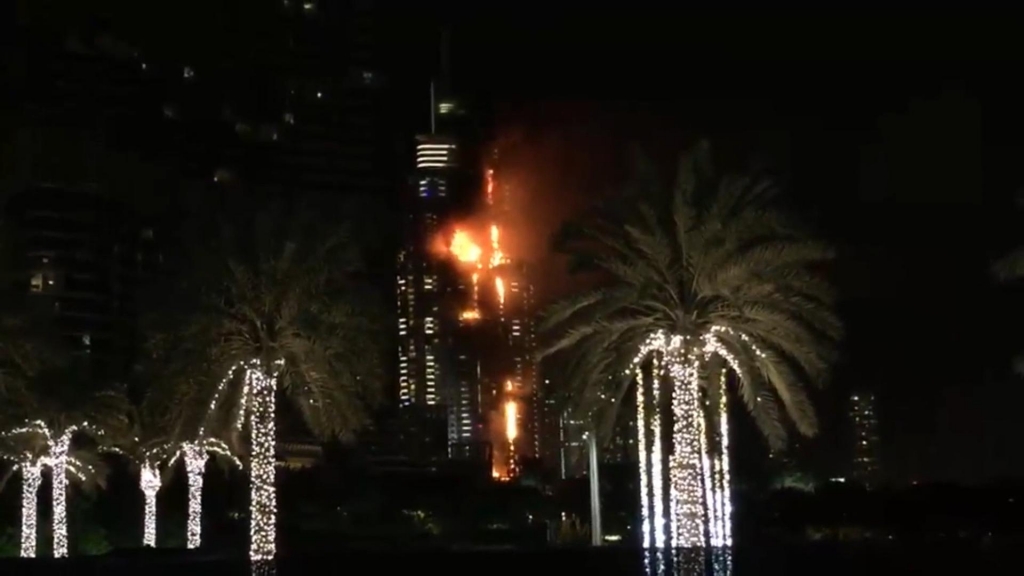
(57,457)
(59,482)
(149,483)
(149,461)
(31,478)
(261,474)
(257,408)
(641,442)
(725,482)
(195,454)
(699,485)
(657,492)
(195,464)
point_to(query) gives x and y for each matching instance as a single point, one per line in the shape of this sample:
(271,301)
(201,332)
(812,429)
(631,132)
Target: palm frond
(725,256)
(1010,267)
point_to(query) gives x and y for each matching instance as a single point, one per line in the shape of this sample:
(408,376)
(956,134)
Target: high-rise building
(73,168)
(866,465)
(438,343)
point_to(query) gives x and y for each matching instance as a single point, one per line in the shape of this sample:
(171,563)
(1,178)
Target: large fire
(511,415)
(481,257)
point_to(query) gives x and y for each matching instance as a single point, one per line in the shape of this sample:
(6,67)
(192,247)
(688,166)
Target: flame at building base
(505,466)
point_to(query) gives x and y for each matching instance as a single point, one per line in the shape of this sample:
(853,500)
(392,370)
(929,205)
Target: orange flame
(463,247)
(497,256)
(490,186)
(499,285)
(511,427)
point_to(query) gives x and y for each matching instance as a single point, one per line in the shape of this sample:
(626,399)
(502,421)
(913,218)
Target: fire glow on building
(499,295)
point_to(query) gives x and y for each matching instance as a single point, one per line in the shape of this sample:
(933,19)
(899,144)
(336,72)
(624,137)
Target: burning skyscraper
(497,311)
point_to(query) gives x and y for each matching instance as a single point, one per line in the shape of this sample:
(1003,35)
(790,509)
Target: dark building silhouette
(866,463)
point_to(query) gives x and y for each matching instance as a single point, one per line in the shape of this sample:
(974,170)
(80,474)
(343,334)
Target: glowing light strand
(656,458)
(149,484)
(61,463)
(261,473)
(642,457)
(725,482)
(700,502)
(32,477)
(196,454)
(257,407)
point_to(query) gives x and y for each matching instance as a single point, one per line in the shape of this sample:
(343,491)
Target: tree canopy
(710,251)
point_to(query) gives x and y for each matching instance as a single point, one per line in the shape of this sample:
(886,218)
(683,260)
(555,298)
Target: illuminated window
(37,282)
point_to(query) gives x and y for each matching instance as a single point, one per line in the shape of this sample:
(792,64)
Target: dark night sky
(898,140)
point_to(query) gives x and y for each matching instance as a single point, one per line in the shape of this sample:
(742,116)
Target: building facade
(866,464)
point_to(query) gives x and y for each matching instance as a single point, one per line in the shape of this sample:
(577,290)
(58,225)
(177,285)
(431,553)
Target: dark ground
(816,560)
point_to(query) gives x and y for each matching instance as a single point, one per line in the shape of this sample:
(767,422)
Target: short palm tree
(34,447)
(285,311)
(53,417)
(194,424)
(700,281)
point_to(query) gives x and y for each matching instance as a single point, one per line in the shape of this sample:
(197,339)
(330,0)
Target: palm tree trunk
(60,509)
(59,469)
(263,496)
(688,466)
(195,465)
(32,477)
(149,483)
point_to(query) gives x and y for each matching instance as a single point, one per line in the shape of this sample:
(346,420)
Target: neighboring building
(83,117)
(547,423)
(572,446)
(84,257)
(866,465)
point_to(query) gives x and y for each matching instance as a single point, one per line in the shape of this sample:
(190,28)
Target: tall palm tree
(285,310)
(700,284)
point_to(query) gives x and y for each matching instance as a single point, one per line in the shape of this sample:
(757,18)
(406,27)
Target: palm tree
(700,285)
(285,310)
(171,423)
(35,446)
(30,463)
(60,417)
(148,445)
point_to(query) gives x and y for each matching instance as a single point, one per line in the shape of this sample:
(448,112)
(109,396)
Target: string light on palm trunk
(58,459)
(32,477)
(642,457)
(657,486)
(698,482)
(149,483)
(262,529)
(257,408)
